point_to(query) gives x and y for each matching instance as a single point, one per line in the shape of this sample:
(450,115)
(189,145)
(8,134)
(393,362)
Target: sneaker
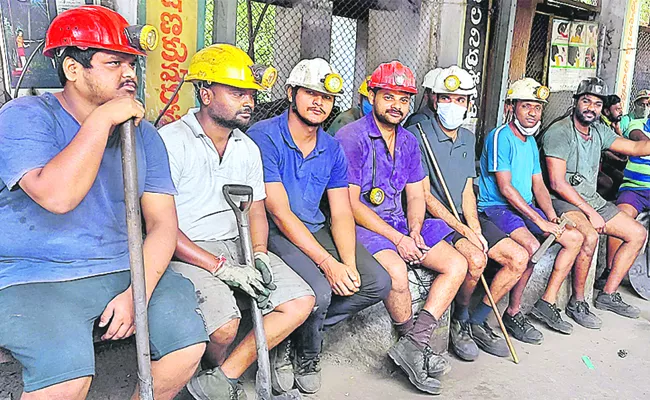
(413,362)
(521,329)
(579,311)
(307,374)
(281,367)
(550,315)
(613,302)
(488,340)
(436,364)
(212,384)
(461,340)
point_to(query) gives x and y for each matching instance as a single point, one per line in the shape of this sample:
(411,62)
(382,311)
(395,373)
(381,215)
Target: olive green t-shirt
(582,157)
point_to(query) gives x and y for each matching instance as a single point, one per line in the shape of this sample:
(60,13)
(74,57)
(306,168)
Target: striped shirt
(636,175)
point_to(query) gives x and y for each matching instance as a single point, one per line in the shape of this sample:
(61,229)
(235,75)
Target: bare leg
(633,235)
(586,254)
(614,243)
(571,241)
(525,239)
(76,389)
(398,302)
(476,262)
(277,325)
(220,340)
(514,260)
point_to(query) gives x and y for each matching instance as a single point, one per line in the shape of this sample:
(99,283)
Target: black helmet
(594,86)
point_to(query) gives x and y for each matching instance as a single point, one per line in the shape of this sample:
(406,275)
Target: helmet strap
(294,108)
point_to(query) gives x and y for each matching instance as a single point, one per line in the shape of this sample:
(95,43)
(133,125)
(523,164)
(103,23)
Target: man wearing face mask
(572,147)
(453,147)
(511,178)
(384,164)
(640,110)
(354,113)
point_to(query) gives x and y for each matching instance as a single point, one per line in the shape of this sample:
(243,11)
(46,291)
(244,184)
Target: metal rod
(441,179)
(171,100)
(136,259)
(24,71)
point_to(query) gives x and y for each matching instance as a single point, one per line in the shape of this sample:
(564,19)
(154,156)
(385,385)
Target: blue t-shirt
(39,246)
(503,151)
(304,178)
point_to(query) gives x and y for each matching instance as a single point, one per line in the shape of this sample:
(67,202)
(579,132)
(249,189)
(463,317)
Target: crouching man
(302,163)
(384,163)
(511,178)
(208,150)
(64,262)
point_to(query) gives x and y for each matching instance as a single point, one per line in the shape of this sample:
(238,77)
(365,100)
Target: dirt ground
(554,370)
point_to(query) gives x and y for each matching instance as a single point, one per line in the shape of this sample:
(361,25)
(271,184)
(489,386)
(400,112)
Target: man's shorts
(490,232)
(508,219)
(433,231)
(218,303)
(48,327)
(608,211)
(639,199)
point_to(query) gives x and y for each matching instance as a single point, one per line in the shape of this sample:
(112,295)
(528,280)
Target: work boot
(550,315)
(579,311)
(307,374)
(488,340)
(412,360)
(281,367)
(613,302)
(212,384)
(521,329)
(461,340)
(436,364)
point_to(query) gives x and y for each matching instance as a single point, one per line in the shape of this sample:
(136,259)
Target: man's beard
(382,118)
(231,123)
(294,108)
(580,116)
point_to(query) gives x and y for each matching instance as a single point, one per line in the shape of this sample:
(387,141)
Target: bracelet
(400,240)
(323,262)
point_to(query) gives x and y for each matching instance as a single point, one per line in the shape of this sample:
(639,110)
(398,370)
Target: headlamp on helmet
(142,37)
(333,83)
(542,92)
(265,76)
(452,83)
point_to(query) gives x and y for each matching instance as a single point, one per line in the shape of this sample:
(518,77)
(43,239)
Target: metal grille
(536,63)
(641,78)
(353,35)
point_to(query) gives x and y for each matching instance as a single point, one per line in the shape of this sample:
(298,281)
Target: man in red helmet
(384,163)
(64,264)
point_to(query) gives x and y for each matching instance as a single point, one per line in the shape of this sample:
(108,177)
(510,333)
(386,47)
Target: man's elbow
(556,184)
(56,205)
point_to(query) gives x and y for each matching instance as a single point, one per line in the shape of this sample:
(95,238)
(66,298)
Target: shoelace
(522,321)
(428,353)
(465,328)
(286,357)
(616,298)
(309,365)
(582,307)
(556,312)
(489,331)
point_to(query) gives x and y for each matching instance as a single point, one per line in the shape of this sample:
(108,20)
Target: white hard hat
(430,78)
(528,89)
(316,74)
(454,80)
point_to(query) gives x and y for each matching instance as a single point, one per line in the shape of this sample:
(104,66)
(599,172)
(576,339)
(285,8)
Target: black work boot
(461,340)
(488,340)
(521,329)
(408,356)
(579,311)
(436,364)
(212,384)
(307,374)
(613,302)
(550,315)
(281,367)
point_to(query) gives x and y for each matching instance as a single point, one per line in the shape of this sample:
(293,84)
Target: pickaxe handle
(549,240)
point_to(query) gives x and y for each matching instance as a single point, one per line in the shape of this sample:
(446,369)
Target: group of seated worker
(64,271)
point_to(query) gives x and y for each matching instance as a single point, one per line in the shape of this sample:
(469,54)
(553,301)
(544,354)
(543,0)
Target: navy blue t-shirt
(39,246)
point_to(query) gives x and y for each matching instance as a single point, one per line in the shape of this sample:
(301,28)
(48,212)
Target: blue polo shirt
(503,151)
(304,178)
(39,246)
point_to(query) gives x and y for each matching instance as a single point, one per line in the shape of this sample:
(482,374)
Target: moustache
(392,110)
(134,83)
(245,110)
(317,109)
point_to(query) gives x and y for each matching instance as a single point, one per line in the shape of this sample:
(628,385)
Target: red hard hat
(393,76)
(94,27)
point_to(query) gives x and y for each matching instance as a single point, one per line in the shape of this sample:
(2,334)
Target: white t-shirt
(199,175)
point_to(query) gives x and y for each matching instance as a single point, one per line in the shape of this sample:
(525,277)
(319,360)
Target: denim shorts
(48,327)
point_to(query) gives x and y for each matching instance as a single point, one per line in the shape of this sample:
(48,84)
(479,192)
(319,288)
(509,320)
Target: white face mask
(527,131)
(451,115)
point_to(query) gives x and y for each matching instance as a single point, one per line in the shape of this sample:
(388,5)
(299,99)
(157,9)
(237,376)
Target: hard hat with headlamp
(97,27)
(454,80)
(528,89)
(228,65)
(316,74)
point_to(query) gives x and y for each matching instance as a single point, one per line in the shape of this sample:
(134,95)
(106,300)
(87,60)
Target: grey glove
(246,279)
(263,265)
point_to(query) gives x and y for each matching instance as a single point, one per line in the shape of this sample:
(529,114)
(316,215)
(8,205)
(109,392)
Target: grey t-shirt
(582,157)
(455,158)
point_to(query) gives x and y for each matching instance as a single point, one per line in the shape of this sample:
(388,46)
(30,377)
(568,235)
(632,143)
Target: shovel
(263,377)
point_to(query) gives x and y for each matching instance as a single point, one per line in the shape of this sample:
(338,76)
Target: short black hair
(611,100)
(83,57)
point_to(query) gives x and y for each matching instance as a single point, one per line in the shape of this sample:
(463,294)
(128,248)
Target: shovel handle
(238,190)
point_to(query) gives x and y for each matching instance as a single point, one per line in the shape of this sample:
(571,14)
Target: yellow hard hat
(363,89)
(229,65)
(528,89)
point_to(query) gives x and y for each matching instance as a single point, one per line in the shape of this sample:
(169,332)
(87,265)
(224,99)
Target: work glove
(246,279)
(263,265)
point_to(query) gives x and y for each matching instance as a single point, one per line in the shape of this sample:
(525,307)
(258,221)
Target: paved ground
(554,370)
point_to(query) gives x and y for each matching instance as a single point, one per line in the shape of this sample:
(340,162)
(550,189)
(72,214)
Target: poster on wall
(573,55)
(474,48)
(24,23)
